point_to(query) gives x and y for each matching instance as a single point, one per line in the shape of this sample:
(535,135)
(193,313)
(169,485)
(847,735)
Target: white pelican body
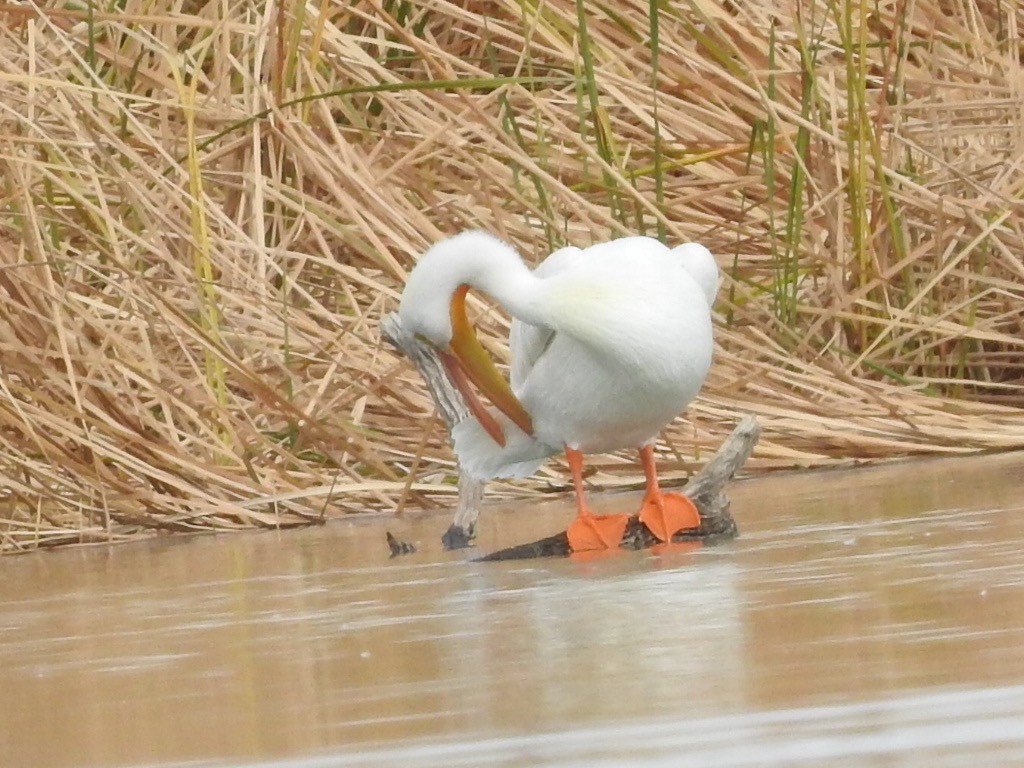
(608,343)
(630,350)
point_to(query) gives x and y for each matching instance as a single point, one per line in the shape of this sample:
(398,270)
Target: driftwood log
(705,489)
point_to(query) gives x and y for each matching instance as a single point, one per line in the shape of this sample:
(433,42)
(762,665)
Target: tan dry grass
(207,207)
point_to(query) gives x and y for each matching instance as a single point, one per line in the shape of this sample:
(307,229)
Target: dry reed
(207,207)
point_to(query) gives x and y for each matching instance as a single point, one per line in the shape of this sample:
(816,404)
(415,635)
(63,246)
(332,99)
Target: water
(866,617)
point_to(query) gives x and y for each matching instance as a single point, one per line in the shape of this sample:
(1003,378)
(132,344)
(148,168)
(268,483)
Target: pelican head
(433,307)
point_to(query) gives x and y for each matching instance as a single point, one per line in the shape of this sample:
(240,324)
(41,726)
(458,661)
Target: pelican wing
(528,343)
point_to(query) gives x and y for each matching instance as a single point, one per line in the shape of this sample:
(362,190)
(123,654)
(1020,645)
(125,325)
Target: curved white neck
(482,262)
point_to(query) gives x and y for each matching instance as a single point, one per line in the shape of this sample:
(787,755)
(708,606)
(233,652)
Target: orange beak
(467,361)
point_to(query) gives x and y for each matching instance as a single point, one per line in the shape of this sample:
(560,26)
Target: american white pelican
(608,344)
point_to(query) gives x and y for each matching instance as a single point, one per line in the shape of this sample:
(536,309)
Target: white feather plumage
(608,343)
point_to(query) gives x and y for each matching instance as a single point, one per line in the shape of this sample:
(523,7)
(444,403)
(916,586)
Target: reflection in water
(866,617)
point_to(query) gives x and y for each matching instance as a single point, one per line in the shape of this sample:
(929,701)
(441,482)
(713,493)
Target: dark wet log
(399,547)
(706,489)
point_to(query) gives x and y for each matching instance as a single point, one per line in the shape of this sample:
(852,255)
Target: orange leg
(589,531)
(664,514)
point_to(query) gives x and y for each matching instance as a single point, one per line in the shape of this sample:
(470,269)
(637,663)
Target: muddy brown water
(870,617)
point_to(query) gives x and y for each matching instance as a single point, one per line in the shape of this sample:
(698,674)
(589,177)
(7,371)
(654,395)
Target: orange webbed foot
(666,514)
(593,532)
